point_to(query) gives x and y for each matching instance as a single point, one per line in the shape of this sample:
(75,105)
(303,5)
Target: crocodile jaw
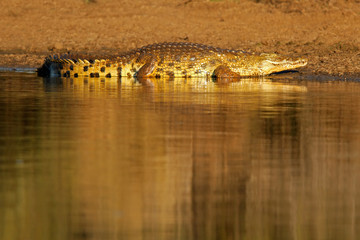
(274,65)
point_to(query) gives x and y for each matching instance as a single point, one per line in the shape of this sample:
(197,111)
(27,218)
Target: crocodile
(172,59)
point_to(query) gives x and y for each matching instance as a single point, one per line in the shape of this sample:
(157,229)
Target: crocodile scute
(177,59)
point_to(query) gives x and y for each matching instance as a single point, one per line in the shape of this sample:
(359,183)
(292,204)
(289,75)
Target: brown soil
(327,32)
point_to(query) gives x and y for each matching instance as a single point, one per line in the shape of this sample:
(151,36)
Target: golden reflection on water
(110,159)
(203,85)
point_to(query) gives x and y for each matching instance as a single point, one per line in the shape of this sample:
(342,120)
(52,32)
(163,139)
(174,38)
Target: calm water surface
(255,159)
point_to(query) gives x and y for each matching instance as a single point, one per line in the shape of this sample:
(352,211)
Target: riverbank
(325,32)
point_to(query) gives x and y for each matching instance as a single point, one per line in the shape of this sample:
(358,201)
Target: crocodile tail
(68,65)
(51,67)
(44,70)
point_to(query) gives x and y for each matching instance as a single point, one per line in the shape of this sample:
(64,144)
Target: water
(255,159)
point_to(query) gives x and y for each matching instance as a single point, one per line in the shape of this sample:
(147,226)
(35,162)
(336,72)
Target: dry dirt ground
(327,32)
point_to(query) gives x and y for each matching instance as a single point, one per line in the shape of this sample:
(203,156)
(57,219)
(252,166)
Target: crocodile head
(273,63)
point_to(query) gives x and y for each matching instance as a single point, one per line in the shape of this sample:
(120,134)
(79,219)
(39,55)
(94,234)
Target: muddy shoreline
(327,33)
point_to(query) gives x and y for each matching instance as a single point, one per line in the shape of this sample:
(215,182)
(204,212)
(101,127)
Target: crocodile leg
(224,72)
(147,69)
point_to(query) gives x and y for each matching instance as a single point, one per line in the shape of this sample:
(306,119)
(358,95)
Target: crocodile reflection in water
(179,85)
